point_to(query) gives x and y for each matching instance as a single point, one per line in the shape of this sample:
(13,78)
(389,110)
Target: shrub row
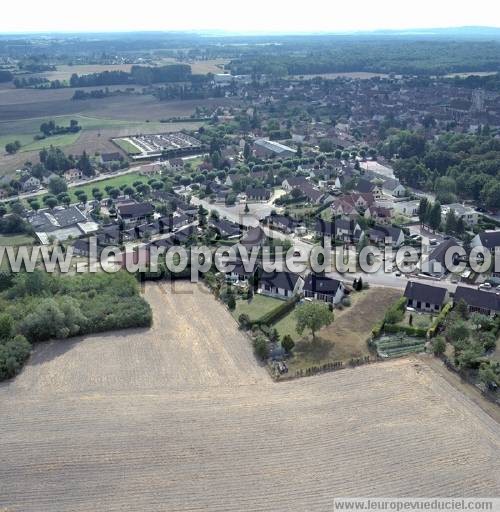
(276,314)
(439,320)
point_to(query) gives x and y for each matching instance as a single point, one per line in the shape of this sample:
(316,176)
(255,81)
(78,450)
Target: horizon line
(219,32)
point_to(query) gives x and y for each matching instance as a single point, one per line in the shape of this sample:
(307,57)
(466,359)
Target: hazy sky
(252,15)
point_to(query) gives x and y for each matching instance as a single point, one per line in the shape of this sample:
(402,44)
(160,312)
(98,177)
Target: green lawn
(287,325)
(419,320)
(28,143)
(127,146)
(15,240)
(116,182)
(194,162)
(258,306)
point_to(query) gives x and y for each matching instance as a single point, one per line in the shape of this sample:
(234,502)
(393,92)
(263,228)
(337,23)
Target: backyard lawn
(287,325)
(347,336)
(419,320)
(258,306)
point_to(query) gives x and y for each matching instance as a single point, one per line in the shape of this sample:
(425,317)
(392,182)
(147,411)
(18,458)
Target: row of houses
(287,284)
(431,299)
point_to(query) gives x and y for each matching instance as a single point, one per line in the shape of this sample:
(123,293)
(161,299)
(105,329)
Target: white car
(485,286)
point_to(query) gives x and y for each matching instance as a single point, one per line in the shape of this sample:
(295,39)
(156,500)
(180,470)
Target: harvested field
(17,104)
(23,110)
(63,72)
(180,417)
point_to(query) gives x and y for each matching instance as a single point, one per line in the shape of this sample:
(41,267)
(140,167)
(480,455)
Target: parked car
(485,286)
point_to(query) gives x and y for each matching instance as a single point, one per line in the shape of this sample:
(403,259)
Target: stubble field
(180,417)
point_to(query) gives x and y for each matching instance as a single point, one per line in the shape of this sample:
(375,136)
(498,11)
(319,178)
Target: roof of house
(380,211)
(254,236)
(477,298)
(321,284)
(364,186)
(176,162)
(331,228)
(184,233)
(283,220)
(490,239)
(391,184)
(164,242)
(310,192)
(225,227)
(366,196)
(258,192)
(295,181)
(382,232)
(135,209)
(51,220)
(439,253)
(111,157)
(239,269)
(425,292)
(284,280)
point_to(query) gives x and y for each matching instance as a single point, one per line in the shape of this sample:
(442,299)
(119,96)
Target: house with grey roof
(61,223)
(323,288)
(425,297)
(280,284)
(478,301)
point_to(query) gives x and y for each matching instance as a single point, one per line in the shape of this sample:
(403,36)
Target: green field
(29,144)
(116,182)
(24,130)
(128,147)
(15,240)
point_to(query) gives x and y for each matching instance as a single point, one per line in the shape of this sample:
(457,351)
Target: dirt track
(181,418)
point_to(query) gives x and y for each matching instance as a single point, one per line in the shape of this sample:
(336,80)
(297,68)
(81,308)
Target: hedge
(276,314)
(438,322)
(377,329)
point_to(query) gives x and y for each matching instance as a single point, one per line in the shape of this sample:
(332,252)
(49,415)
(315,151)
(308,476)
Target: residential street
(260,210)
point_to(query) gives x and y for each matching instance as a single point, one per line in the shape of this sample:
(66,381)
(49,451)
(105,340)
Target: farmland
(180,417)
(64,72)
(23,110)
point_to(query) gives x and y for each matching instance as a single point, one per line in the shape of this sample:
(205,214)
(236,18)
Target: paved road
(258,210)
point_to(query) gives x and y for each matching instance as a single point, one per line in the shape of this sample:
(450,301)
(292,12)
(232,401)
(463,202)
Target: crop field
(64,72)
(181,417)
(22,111)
